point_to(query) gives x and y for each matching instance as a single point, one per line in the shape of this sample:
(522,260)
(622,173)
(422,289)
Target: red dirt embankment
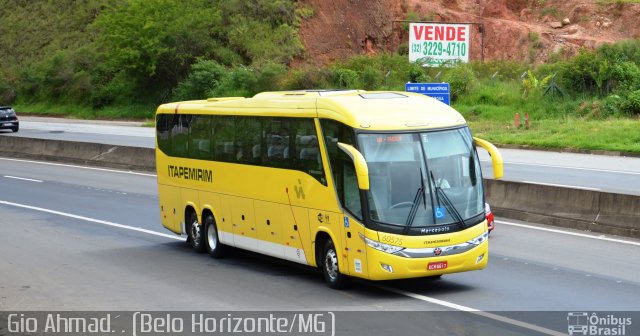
(514,29)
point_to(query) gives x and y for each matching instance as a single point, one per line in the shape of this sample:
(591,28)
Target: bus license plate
(437,265)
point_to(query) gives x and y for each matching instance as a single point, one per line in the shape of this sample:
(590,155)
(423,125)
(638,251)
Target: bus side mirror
(496,157)
(360,164)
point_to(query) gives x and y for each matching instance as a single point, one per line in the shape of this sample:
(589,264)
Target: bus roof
(370,110)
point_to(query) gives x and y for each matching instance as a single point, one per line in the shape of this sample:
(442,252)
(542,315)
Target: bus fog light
(479,259)
(387,268)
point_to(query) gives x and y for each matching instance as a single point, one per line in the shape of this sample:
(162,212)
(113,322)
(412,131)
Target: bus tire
(212,241)
(195,233)
(330,267)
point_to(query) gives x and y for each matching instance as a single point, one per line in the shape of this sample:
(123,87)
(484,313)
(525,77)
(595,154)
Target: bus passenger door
(352,228)
(269,228)
(243,223)
(353,233)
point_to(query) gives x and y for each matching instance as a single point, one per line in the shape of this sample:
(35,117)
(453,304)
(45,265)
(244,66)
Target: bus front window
(422,179)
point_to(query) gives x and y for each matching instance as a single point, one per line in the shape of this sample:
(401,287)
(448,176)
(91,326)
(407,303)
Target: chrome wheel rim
(212,237)
(195,232)
(331,264)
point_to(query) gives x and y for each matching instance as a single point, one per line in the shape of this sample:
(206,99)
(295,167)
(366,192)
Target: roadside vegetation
(120,59)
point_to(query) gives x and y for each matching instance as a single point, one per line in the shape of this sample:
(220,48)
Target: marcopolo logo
(582,323)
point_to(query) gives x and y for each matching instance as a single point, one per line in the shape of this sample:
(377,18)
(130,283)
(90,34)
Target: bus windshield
(422,179)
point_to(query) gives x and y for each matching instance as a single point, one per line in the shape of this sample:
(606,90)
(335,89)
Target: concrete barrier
(95,154)
(571,208)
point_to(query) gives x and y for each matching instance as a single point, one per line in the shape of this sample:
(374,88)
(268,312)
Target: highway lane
(579,171)
(586,171)
(107,132)
(53,261)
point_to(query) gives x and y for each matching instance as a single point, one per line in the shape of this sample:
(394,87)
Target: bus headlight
(479,239)
(392,249)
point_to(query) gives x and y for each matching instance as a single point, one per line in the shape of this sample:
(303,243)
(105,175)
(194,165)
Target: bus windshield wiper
(446,201)
(416,202)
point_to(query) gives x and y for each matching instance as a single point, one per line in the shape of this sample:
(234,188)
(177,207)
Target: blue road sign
(439,91)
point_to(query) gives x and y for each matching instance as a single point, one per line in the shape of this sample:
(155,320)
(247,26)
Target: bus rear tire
(330,267)
(212,240)
(195,234)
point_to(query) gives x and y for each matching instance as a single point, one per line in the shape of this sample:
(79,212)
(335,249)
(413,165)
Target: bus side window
(163,131)
(351,192)
(223,139)
(276,132)
(180,135)
(342,168)
(248,140)
(200,138)
(306,154)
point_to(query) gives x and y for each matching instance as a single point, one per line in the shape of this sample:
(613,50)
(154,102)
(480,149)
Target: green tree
(157,39)
(204,77)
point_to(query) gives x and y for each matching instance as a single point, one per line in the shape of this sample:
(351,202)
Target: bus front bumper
(385,266)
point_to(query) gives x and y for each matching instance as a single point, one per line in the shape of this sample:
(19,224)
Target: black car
(8,119)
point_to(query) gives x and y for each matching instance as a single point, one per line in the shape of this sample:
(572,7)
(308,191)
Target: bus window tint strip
(289,143)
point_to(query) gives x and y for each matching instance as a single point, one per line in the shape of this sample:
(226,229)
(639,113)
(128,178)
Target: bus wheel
(196,234)
(330,269)
(214,247)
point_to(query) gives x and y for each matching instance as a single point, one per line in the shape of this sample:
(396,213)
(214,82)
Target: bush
(631,105)
(461,77)
(270,77)
(121,89)
(204,77)
(7,91)
(239,82)
(626,76)
(345,78)
(577,74)
(371,78)
(308,79)
(505,69)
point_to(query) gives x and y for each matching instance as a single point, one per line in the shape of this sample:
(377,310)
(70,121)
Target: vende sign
(433,44)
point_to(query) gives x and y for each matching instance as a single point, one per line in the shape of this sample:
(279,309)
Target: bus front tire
(212,240)
(195,234)
(330,268)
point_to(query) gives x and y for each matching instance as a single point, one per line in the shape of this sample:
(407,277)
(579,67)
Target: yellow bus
(374,185)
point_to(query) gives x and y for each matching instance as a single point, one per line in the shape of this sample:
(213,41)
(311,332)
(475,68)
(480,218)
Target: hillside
(514,29)
(89,56)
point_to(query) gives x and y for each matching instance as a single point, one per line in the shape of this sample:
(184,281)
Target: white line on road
(474,311)
(443,303)
(81,167)
(93,220)
(23,179)
(562,185)
(584,235)
(568,167)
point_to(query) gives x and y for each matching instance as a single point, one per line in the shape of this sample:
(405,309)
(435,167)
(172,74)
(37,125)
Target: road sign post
(439,91)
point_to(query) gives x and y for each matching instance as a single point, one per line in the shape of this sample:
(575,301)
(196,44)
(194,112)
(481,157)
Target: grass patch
(568,132)
(551,11)
(131,112)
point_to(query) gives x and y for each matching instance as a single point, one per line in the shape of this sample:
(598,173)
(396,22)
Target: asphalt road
(583,171)
(89,239)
